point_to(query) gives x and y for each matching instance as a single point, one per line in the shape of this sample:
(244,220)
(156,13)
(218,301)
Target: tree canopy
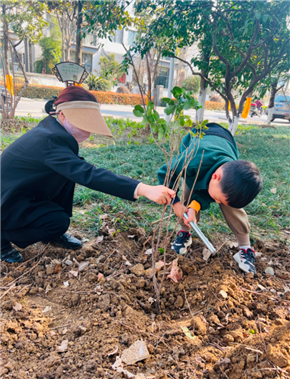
(238,43)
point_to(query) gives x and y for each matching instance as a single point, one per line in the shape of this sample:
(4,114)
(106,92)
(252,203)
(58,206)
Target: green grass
(269,213)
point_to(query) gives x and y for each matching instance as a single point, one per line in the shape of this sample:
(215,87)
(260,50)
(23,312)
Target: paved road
(35,108)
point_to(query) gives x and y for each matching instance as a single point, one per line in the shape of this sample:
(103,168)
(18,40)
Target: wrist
(142,189)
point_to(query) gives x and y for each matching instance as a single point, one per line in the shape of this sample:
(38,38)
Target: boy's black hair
(240,183)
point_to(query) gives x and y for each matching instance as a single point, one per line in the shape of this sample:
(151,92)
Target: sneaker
(11,255)
(246,260)
(183,240)
(67,242)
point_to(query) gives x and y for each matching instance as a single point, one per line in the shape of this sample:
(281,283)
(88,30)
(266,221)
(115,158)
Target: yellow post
(9,84)
(247,107)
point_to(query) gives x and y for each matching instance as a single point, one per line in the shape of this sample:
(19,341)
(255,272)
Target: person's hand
(158,194)
(179,209)
(191,213)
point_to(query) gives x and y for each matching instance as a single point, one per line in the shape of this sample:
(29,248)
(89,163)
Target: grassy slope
(268,148)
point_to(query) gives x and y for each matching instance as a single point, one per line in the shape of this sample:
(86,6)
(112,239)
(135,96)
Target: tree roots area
(91,313)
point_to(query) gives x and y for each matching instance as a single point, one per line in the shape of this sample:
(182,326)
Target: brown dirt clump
(69,313)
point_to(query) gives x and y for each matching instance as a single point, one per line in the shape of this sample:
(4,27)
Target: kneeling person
(222,178)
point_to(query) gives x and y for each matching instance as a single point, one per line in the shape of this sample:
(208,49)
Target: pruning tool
(201,235)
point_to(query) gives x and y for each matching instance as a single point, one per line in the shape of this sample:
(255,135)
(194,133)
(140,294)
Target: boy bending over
(223,179)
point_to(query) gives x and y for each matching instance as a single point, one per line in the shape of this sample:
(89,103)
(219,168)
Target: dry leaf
(82,265)
(113,352)
(206,254)
(118,366)
(274,190)
(46,309)
(48,288)
(74,273)
(17,307)
(158,267)
(187,332)
(224,294)
(131,236)
(63,347)
(99,239)
(102,217)
(111,231)
(148,252)
(135,353)
(57,268)
(101,278)
(175,271)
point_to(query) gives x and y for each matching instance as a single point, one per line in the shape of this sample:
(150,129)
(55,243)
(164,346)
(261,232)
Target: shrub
(217,99)
(117,98)
(192,83)
(45,92)
(123,89)
(98,84)
(214,106)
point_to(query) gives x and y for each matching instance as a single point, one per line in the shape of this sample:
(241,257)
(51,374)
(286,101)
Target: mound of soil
(69,314)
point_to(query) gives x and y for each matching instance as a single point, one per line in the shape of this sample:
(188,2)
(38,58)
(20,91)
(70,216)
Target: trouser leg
(185,201)
(238,222)
(47,227)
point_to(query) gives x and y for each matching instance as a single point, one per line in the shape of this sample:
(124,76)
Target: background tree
(65,12)
(110,68)
(25,19)
(239,42)
(51,50)
(191,83)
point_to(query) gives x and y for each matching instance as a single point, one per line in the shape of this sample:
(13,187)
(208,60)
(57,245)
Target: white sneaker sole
(183,251)
(246,267)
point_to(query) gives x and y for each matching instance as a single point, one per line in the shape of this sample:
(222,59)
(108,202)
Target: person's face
(214,188)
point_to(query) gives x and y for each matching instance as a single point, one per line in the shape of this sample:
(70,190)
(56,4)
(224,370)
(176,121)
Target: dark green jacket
(217,151)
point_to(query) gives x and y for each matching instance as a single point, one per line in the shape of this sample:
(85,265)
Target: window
(87,60)
(162,77)
(118,37)
(282,99)
(131,37)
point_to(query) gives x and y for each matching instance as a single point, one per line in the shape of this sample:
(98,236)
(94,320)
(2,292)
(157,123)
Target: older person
(40,169)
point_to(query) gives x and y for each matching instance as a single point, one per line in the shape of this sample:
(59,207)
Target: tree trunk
(272,102)
(78,58)
(30,56)
(233,124)
(5,42)
(270,116)
(149,92)
(201,99)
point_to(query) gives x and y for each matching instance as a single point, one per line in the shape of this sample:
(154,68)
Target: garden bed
(62,321)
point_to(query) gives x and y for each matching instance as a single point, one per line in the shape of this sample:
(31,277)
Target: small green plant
(176,127)
(98,83)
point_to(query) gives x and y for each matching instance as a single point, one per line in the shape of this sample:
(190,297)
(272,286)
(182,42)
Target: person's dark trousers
(46,228)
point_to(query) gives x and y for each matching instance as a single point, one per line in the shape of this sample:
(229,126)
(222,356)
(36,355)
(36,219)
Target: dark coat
(39,167)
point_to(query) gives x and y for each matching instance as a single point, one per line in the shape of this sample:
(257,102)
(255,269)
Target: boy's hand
(179,209)
(158,194)
(191,213)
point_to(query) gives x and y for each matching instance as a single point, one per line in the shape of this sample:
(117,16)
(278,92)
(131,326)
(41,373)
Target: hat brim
(88,117)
